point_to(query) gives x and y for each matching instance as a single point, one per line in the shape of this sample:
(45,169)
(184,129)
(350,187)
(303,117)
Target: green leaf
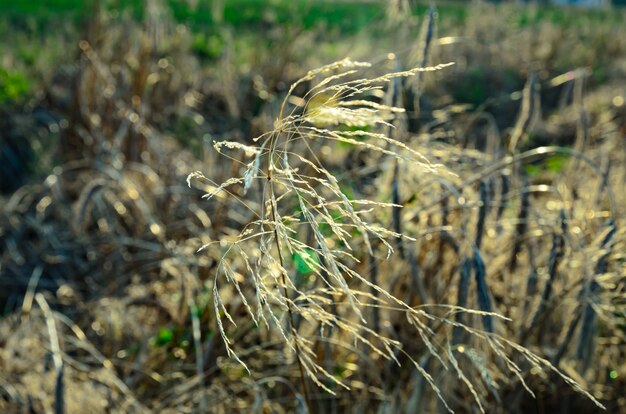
(164,337)
(13,86)
(197,311)
(532,169)
(347,191)
(556,162)
(306,260)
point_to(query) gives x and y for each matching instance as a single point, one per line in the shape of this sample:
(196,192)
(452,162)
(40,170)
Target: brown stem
(289,307)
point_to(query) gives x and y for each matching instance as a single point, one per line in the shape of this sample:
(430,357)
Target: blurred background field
(107,106)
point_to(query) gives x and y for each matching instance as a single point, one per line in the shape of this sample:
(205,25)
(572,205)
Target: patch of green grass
(164,337)
(348,16)
(305,261)
(13,86)
(567,16)
(553,164)
(556,162)
(345,17)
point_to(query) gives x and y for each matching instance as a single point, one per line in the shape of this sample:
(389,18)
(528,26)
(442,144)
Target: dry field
(275,207)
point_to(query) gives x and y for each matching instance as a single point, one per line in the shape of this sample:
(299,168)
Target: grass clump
(337,297)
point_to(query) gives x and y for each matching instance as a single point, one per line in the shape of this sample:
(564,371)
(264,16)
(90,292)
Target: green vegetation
(13,86)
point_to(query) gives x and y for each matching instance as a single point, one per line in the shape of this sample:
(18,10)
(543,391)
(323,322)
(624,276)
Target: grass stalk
(461,301)
(556,255)
(520,227)
(482,290)
(396,209)
(55,349)
(292,324)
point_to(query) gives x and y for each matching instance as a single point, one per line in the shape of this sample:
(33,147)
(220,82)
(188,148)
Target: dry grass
(365,243)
